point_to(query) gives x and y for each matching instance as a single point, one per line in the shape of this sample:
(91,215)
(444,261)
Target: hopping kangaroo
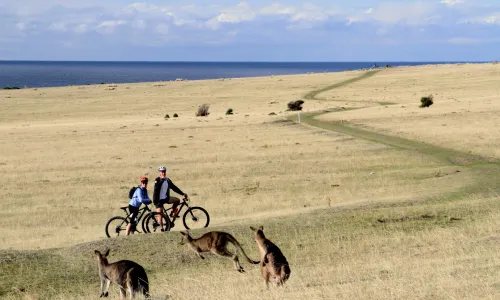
(125,273)
(216,242)
(274,266)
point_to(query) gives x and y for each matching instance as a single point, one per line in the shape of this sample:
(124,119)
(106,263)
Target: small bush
(426,101)
(176,115)
(167,116)
(229,111)
(11,88)
(295,105)
(203,110)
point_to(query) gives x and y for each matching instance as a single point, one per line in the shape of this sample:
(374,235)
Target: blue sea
(64,73)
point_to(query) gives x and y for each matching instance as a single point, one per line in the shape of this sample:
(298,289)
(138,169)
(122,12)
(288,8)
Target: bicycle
(120,223)
(194,217)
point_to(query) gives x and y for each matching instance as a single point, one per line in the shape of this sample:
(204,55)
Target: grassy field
(369,197)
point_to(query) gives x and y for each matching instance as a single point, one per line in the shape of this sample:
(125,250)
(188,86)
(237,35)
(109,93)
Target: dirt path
(448,156)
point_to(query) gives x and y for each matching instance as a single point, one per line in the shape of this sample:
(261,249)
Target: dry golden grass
(70,155)
(463,116)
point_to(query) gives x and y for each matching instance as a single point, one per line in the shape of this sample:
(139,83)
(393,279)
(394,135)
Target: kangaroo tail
(144,284)
(137,280)
(237,245)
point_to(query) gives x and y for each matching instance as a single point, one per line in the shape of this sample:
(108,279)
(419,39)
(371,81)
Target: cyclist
(140,196)
(161,194)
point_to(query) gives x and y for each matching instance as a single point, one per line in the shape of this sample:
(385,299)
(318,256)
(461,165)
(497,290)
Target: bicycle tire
(151,224)
(195,213)
(122,226)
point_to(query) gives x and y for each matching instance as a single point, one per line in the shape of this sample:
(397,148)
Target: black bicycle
(118,224)
(194,217)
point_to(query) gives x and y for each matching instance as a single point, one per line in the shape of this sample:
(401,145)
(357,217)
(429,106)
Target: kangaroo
(274,266)
(125,273)
(216,242)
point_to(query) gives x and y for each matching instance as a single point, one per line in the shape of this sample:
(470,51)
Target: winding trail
(448,156)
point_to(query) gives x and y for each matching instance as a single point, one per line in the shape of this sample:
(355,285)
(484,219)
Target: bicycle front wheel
(196,217)
(115,226)
(152,225)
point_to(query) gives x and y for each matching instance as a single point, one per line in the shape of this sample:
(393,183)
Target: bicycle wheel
(151,224)
(115,226)
(196,217)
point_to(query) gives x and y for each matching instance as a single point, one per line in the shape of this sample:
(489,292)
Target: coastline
(187,71)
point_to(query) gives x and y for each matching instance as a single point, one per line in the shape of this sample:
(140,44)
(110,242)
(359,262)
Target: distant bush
(176,115)
(295,105)
(167,116)
(229,111)
(11,88)
(203,110)
(426,101)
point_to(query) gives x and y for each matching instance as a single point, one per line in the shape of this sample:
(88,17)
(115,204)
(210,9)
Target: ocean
(65,73)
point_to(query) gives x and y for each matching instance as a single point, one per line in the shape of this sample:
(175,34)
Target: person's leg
(127,232)
(175,202)
(134,211)
(158,217)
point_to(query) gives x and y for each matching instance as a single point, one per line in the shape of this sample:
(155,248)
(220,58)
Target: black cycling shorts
(134,212)
(159,204)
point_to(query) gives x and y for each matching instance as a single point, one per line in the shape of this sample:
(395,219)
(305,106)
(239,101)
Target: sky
(223,30)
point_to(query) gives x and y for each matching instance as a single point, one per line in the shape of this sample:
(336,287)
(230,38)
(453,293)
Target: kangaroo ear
(96,252)
(253,229)
(261,228)
(107,253)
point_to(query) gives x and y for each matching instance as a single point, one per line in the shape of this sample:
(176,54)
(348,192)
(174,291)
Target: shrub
(176,115)
(11,88)
(229,111)
(426,101)
(295,105)
(167,116)
(203,110)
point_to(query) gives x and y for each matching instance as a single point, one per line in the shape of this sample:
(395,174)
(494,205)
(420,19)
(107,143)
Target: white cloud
(162,28)
(242,12)
(82,28)
(491,19)
(21,26)
(139,24)
(277,9)
(58,26)
(452,2)
(109,27)
(411,13)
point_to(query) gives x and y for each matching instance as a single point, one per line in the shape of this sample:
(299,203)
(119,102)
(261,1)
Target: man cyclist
(161,194)
(140,196)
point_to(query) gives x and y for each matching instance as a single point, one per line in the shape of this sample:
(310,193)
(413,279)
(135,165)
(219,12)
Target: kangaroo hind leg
(233,257)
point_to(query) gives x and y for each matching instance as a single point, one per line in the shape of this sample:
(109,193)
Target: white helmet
(162,168)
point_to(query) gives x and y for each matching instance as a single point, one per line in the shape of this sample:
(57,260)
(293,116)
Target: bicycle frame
(141,213)
(181,206)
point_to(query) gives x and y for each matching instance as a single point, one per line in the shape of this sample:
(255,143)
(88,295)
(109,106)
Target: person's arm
(175,188)
(145,198)
(156,190)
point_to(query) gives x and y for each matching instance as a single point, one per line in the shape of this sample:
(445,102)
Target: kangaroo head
(259,232)
(186,238)
(102,257)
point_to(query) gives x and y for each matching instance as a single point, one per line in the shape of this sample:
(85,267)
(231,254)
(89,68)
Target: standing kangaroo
(274,266)
(125,273)
(216,242)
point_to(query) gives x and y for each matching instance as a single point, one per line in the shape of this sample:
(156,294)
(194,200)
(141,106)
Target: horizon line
(250,61)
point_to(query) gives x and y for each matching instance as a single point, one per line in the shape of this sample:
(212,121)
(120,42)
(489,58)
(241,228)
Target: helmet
(162,168)
(144,179)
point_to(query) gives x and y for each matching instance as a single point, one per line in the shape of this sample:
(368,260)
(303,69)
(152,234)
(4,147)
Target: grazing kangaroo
(125,273)
(274,266)
(216,242)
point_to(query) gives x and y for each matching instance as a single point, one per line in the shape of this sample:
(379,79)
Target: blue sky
(223,30)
